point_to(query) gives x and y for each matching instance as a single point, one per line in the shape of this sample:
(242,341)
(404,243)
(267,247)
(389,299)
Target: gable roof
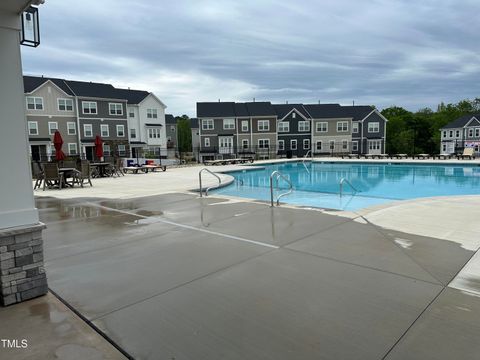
(325,111)
(170,119)
(283,110)
(31,83)
(357,113)
(215,109)
(133,96)
(461,121)
(91,89)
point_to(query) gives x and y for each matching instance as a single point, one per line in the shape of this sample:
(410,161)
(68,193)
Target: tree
(184,133)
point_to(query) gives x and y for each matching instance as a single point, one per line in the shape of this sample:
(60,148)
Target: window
(470,132)
(72,149)
(133,133)
(131,113)
(152,113)
(52,127)
(332,144)
(121,150)
(32,128)
(65,104)
(283,126)
(444,133)
(207,124)
(294,115)
(293,144)
(89,107)
(319,146)
(228,124)
(344,144)
(153,133)
(354,145)
(322,126)
(444,147)
(120,130)
(245,143)
(263,125)
(342,126)
(450,133)
(244,125)
(71,128)
(373,127)
(104,130)
(106,149)
(263,143)
(374,144)
(306,144)
(355,128)
(477,132)
(34,103)
(304,126)
(87,130)
(206,141)
(115,109)
(457,133)
(281,144)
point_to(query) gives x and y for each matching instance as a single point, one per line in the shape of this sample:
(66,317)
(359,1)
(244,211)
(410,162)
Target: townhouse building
(461,133)
(172,135)
(294,130)
(195,138)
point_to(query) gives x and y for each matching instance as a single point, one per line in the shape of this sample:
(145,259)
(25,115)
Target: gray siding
(102,109)
(374,117)
(111,128)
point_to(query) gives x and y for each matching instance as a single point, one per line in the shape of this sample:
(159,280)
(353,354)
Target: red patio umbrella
(99,147)
(58,142)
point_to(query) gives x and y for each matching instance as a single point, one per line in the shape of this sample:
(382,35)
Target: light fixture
(30,35)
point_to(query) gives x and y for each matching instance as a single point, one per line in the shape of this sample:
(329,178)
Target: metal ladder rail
(343,180)
(276,174)
(200,181)
(306,155)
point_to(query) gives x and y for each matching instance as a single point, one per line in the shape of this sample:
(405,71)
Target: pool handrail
(277,174)
(200,181)
(306,155)
(343,180)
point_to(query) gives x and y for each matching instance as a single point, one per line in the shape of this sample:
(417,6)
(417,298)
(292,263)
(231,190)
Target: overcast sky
(410,53)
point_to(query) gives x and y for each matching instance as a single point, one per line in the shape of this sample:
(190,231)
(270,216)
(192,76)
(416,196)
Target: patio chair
(443,156)
(399,156)
(421,156)
(52,176)
(83,173)
(118,167)
(38,174)
(467,153)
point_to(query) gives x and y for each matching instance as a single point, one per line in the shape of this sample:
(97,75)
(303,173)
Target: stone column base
(22,275)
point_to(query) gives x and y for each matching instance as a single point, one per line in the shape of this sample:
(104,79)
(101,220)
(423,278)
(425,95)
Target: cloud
(383,52)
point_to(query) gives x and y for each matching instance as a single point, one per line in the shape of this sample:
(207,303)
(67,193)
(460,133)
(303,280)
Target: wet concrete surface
(176,276)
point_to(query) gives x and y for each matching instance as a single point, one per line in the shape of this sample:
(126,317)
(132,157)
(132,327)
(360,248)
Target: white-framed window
(373,127)
(87,130)
(72,149)
(152,113)
(281,144)
(306,144)
(355,127)
(244,125)
(444,133)
(444,147)
(342,126)
(245,143)
(133,133)
(89,107)
(457,133)
(321,126)
(354,145)
(32,128)
(121,150)
(332,144)
(228,124)
(374,144)
(344,144)
(34,103)
(318,146)
(294,115)
(450,133)
(65,104)
(263,125)
(71,128)
(207,124)
(304,126)
(293,144)
(106,149)
(52,127)
(115,109)
(283,126)
(477,132)
(263,143)
(131,113)
(206,142)
(470,132)
(104,130)
(120,130)
(154,133)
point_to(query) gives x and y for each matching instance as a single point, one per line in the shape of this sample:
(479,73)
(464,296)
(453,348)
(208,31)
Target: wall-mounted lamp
(30,35)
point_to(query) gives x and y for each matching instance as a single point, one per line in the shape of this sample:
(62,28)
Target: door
(225,144)
(374,147)
(35,152)
(89,152)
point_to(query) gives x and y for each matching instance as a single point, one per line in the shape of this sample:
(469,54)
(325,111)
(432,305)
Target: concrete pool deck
(171,275)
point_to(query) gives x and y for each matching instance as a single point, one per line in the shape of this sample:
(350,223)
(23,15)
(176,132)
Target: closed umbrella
(99,147)
(58,142)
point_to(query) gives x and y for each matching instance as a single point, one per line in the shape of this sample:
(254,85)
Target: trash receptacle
(289,154)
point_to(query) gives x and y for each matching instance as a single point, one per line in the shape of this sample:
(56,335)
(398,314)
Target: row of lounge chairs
(136,169)
(228,161)
(468,153)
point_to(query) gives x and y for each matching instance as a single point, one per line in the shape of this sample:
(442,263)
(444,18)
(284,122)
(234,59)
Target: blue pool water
(316,184)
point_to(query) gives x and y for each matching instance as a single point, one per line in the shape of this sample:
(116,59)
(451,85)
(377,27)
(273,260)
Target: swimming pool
(316,184)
